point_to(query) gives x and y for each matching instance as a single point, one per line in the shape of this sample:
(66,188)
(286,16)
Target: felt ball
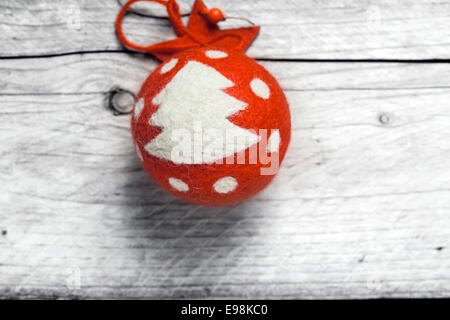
(215,15)
(211,126)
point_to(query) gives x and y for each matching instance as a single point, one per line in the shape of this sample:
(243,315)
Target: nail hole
(384,118)
(4,232)
(121,101)
(439,248)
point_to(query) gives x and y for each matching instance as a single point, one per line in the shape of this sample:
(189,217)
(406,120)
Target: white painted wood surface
(309,29)
(360,208)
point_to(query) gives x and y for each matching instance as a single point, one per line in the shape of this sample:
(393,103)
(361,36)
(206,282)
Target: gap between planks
(44,56)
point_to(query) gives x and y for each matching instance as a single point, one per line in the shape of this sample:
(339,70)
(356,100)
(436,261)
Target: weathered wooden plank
(312,29)
(360,208)
(100,72)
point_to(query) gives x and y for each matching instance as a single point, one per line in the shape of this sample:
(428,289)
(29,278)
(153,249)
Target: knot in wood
(121,101)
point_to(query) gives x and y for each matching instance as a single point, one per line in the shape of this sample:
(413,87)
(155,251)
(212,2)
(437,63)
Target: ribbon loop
(173,11)
(200,32)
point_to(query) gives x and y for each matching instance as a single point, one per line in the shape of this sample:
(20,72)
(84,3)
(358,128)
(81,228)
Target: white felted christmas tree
(194,104)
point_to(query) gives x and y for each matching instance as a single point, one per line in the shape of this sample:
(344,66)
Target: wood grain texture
(308,29)
(360,208)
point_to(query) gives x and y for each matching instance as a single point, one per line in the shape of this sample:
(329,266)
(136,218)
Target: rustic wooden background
(361,207)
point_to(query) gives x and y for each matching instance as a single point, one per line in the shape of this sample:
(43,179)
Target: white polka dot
(225,185)
(274,141)
(138,152)
(169,66)
(178,185)
(216,54)
(138,108)
(260,88)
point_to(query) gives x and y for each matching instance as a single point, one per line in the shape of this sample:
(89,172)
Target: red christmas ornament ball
(184,112)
